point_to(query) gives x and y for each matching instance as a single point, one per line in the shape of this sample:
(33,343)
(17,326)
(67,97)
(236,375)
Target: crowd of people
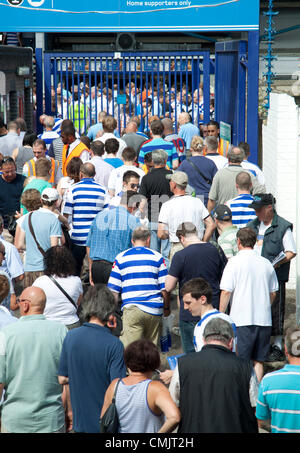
(99,235)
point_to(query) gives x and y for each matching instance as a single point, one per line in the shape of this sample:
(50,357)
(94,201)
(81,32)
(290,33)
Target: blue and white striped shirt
(200,326)
(48,137)
(139,275)
(241,213)
(279,399)
(84,201)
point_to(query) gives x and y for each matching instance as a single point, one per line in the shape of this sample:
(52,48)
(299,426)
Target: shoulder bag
(63,291)
(42,251)
(109,423)
(208,181)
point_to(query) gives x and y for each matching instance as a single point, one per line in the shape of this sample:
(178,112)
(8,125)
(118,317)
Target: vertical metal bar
(90,91)
(147,94)
(62,88)
(187,83)
(164,87)
(47,79)
(180,81)
(241,110)
(170,89)
(55,62)
(39,87)
(206,88)
(252,104)
(175,86)
(158,86)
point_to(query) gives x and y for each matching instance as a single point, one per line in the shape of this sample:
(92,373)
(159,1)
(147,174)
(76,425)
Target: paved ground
(290,317)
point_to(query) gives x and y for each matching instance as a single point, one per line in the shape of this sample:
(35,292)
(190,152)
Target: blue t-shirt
(198,260)
(91,358)
(207,167)
(187,132)
(45,225)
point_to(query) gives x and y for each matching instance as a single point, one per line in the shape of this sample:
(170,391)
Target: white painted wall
(281,146)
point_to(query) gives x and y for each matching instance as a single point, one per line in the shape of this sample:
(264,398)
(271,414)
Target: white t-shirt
(115,181)
(200,326)
(58,307)
(288,240)
(250,278)
(181,209)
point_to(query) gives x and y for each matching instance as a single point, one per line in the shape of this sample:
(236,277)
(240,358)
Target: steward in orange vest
(54,168)
(72,147)
(67,156)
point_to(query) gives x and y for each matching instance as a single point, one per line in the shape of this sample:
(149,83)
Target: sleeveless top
(24,155)
(134,413)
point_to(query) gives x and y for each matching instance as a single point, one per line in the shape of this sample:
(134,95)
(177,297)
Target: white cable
(120,12)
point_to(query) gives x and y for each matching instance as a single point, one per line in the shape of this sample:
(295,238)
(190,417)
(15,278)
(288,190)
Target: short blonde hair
(197,144)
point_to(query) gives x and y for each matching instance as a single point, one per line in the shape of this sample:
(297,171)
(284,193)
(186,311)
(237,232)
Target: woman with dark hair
(66,182)
(143,405)
(60,269)
(24,153)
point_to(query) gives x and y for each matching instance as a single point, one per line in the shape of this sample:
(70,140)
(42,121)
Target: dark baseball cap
(222,212)
(262,199)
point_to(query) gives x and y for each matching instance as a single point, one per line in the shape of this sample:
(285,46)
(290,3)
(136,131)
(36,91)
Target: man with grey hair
(210,150)
(279,391)
(91,358)
(138,275)
(203,401)
(156,190)
(49,134)
(223,187)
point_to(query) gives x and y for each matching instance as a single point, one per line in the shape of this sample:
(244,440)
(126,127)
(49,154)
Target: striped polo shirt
(48,137)
(200,326)
(159,143)
(84,201)
(139,275)
(279,399)
(241,213)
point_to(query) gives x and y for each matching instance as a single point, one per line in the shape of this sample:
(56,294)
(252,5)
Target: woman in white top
(143,405)
(60,266)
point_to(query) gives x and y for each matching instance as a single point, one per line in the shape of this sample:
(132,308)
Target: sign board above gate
(129,15)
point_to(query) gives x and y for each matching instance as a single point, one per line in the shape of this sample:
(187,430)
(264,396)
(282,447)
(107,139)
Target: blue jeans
(187,335)
(160,245)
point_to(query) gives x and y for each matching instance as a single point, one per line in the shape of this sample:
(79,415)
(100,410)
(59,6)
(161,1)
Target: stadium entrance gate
(168,81)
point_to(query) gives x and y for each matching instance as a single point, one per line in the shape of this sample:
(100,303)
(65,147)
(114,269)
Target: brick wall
(280,148)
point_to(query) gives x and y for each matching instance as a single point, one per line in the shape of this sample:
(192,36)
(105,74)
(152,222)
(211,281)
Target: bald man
(132,138)
(84,201)
(187,129)
(29,358)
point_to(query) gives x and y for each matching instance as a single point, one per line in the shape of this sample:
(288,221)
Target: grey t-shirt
(223,186)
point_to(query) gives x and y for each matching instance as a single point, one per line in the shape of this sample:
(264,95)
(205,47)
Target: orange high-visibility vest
(54,167)
(223,147)
(76,152)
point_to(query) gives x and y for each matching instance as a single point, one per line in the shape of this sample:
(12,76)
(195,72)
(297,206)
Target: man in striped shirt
(84,201)
(49,134)
(157,142)
(241,213)
(138,274)
(279,392)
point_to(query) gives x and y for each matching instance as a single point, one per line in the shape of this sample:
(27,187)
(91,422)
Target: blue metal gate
(236,89)
(167,82)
